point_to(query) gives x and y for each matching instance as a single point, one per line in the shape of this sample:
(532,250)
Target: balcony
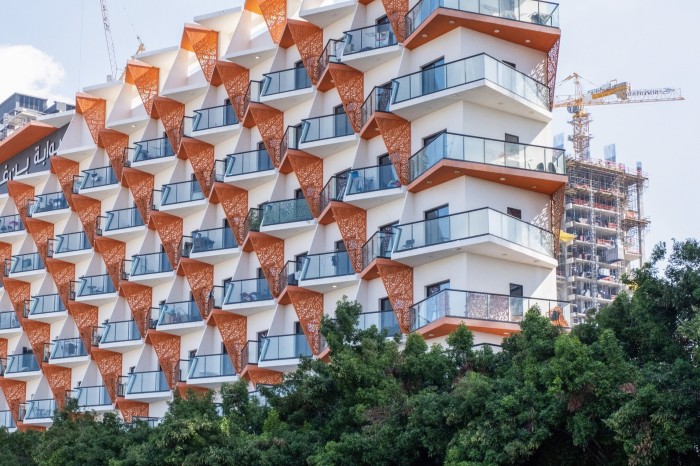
(441,313)
(97,183)
(378,100)
(247,297)
(11,229)
(215,124)
(288,276)
(325,135)
(9,324)
(122,224)
(532,22)
(38,412)
(181,198)
(290,141)
(482,231)
(250,354)
(327,271)
(151,155)
(95,289)
(379,246)
(383,320)
(71,247)
(283,351)
(366,47)
(150,268)
(26,266)
(92,398)
(286,218)
(479,79)
(69,352)
(332,53)
(214,245)
(542,169)
(286,88)
(120,336)
(371,186)
(45,308)
(49,207)
(22,366)
(248,169)
(147,386)
(7,421)
(252,221)
(333,191)
(179,318)
(212,369)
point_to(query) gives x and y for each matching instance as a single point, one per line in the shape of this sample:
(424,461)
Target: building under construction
(605,221)
(19,109)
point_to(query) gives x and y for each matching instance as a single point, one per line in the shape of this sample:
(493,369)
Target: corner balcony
(365,48)
(247,297)
(213,246)
(246,170)
(69,352)
(333,191)
(147,387)
(326,135)
(93,398)
(181,199)
(286,218)
(369,187)
(71,247)
(7,421)
(9,324)
(45,308)
(524,166)
(479,79)
(327,271)
(531,22)
(11,229)
(179,318)
(120,336)
(286,88)
(22,367)
(383,320)
(482,231)
(441,313)
(151,155)
(95,289)
(49,207)
(215,124)
(97,183)
(376,249)
(121,224)
(211,370)
(38,412)
(27,267)
(377,101)
(149,269)
(282,352)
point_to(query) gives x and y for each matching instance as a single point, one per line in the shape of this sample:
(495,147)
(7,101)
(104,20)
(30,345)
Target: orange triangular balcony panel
(270,252)
(169,228)
(109,363)
(132,409)
(85,317)
(113,252)
(141,186)
(5,252)
(275,14)
(236,80)
(309,41)
(140,299)
(398,282)
(15,394)
(21,194)
(41,232)
(200,277)
(552,64)
(396,13)
(263,376)
(59,379)
(65,170)
(234,201)
(146,79)
(3,348)
(351,88)
(38,333)
(270,123)
(94,111)
(114,144)
(167,348)
(171,113)
(396,133)
(352,223)
(62,274)
(201,156)
(309,308)
(88,209)
(205,45)
(18,291)
(309,171)
(234,333)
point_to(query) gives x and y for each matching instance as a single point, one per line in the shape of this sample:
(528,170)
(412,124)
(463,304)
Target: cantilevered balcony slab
(78,153)
(286,218)
(69,352)
(328,12)
(369,187)
(94,289)
(213,124)
(211,371)
(246,170)
(251,57)
(34,179)
(181,199)
(283,352)
(213,245)
(120,336)
(26,267)
(180,318)
(50,207)
(151,155)
(38,412)
(97,183)
(326,272)
(248,297)
(149,269)
(326,135)
(366,48)
(22,367)
(70,247)
(121,224)
(9,324)
(129,125)
(187,92)
(147,387)
(11,229)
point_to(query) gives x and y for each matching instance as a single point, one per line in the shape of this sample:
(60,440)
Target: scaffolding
(604,214)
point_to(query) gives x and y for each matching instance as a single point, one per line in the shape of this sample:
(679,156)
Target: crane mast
(108,39)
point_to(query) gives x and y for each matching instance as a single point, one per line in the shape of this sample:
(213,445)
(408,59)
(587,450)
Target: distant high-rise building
(19,109)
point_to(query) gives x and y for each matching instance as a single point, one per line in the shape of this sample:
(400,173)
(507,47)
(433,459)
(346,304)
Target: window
(437,225)
(436,307)
(516,301)
(435,150)
(299,194)
(513,212)
(301,79)
(223,348)
(298,329)
(386,240)
(383,20)
(386,172)
(261,338)
(341,123)
(435,288)
(510,138)
(433,76)
(192,354)
(511,64)
(385,305)
(340,260)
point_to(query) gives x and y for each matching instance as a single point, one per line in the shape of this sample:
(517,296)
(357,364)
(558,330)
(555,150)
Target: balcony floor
(154,166)
(183,209)
(97,299)
(250,308)
(216,135)
(366,60)
(125,234)
(100,192)
(215,256)
(70,362)
(152,279)
(446,325)
(122,346)
(183,328)
(326,284)
(13,236)
(374,198)
(287,230)
(78,153)
(329,146)
(283,101)
(73,256)
(48,317)
(249,181)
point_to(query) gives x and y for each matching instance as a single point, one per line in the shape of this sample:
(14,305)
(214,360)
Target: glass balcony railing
(334,190)
(290,274)
(252,95)
(383,320)
(284,347)
(247,291)
(40,409)
(115,332)
(486,306)
(465,71)
(212,365)
(289,80)
(6,420)
(179,313)
(94,396)
(243,163)
(214,117)
(95,285)
(177,193)
(370,179)
(250,353)
(252,221)
(369,38)
(9,320)
(122,218)
(146,264)
(96,177)
(379,246)
(48,203)
(21,363)
(152,149)
(326,265)
(11,223)
(146,382)
(325,127)
(67,348)
(46,304)
(69,242)
(286,211)
(331,54)
(214,239)
(449,146)
(26,263)
(377,101)
(528,11)
(472,224)
(290,139)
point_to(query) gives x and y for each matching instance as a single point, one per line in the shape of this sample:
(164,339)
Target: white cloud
(28,70)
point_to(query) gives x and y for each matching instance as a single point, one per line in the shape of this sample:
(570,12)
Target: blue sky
(53,47)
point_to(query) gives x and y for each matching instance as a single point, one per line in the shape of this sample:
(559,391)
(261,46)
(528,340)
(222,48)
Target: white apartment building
(203,214)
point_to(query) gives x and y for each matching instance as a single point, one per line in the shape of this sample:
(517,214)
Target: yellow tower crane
(610,93)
